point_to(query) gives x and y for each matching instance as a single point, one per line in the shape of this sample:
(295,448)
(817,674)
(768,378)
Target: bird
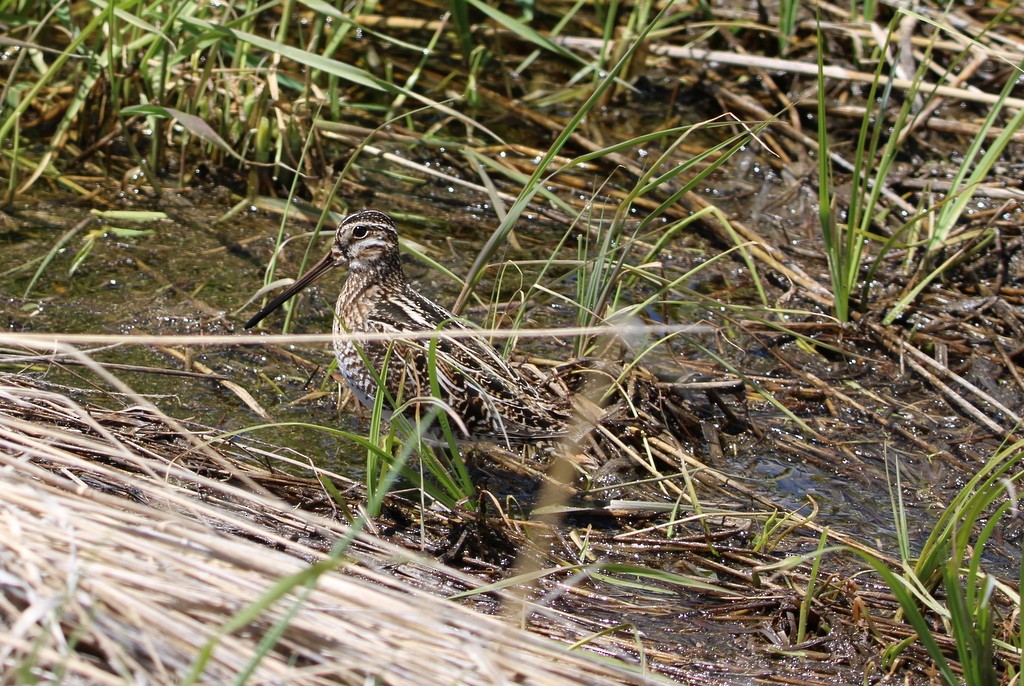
(489,396)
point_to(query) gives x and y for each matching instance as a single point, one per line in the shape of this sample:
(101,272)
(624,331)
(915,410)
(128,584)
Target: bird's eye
(359,232)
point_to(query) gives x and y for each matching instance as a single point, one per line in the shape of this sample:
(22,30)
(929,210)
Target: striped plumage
(490,396)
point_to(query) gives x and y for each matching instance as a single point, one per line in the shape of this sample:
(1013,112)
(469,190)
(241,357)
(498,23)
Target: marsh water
(68,268)
(196,273)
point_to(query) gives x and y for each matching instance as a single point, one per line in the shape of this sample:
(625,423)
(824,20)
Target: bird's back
(489,394)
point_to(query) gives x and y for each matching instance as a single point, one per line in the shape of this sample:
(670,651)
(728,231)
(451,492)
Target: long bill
(314,273)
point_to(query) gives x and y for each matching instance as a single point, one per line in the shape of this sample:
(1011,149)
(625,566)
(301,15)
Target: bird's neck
(366,285)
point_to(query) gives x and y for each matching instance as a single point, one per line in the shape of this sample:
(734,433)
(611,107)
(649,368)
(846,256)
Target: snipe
(491,396)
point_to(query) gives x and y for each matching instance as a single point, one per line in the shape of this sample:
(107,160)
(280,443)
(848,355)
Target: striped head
(368,242)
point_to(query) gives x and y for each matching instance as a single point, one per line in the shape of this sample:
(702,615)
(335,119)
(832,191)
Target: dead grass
(123,559)
(107,510)
(134,544)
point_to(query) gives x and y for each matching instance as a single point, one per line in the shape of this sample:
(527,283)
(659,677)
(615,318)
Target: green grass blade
(525,32)
(534,183)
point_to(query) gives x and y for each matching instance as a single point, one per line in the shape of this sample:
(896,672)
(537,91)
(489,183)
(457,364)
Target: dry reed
(122,560)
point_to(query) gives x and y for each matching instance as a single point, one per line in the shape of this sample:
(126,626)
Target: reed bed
(829,189)
(120,563)
(164,550)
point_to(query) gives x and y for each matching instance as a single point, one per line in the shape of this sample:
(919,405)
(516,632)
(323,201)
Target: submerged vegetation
(773,250)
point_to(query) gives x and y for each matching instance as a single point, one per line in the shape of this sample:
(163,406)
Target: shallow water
(192,274)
